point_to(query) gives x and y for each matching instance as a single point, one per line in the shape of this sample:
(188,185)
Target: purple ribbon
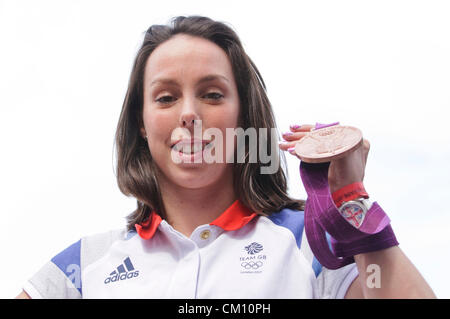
(322,216)
(320,125)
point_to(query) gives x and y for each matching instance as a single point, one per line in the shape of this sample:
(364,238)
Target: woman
(216,229)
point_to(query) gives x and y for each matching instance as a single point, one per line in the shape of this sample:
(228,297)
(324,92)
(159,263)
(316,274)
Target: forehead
(185,56)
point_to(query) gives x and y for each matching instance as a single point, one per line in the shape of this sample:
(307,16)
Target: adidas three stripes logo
(124,271)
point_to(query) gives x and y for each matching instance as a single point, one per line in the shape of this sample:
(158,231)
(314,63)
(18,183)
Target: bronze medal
(328,143)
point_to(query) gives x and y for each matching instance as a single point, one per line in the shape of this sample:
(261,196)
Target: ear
(143,133)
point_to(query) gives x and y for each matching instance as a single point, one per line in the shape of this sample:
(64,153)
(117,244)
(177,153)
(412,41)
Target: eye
(214,95)
(165,99)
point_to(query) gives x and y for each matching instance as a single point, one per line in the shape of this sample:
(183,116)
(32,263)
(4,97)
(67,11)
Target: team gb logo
(254,248)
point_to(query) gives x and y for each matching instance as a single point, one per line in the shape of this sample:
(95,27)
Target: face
(188,80)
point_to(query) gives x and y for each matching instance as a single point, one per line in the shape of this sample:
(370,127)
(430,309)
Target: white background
(382,66)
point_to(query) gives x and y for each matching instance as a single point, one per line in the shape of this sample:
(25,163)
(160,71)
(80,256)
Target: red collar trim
(233,218)
(147,229)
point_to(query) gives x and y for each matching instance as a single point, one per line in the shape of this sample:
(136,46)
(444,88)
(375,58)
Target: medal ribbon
(322,216)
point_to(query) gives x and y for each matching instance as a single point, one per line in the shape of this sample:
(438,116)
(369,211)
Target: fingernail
(295,127)
(288,133)
(290,150)
(282,143)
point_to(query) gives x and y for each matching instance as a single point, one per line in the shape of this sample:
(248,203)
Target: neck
(186,209)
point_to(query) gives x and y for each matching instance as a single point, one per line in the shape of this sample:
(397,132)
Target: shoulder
(293,221)
(290,220)
(99,243)
(88,249)
(61,276)
(287,217)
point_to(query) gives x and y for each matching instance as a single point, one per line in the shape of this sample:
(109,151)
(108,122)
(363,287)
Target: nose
(189,116)
(188,123)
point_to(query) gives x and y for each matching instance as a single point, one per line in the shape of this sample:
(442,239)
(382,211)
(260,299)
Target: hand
(343,171)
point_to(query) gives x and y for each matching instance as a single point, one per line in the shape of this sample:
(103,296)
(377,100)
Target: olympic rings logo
(251,264)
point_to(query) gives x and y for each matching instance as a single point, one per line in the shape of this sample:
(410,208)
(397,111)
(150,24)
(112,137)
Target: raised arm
(384,273)
(388,273)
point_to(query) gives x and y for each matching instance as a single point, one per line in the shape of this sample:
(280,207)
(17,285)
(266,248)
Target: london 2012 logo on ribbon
(253,261)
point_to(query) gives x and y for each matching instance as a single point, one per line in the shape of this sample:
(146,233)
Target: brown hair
(136,171)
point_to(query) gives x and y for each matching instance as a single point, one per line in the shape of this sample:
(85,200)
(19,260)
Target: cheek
(158,127)
(222,120)
(226,118)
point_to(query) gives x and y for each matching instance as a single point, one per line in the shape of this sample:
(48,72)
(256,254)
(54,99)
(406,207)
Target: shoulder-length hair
(136,170)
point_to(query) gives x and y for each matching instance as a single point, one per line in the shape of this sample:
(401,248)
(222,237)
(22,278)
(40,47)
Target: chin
(198,177)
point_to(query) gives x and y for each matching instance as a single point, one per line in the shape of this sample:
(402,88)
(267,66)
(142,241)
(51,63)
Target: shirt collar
(234,217)
(147,229)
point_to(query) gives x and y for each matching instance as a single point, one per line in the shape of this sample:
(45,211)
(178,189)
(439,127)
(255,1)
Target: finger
(301,128)
(291,136)
(292,151)
(366,144)
(287,145)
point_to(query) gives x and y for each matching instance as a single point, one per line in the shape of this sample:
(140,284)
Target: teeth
(198,147)
(188,148)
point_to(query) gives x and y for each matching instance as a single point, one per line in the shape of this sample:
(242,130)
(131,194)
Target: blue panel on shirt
(316,265)
(292,220)
(69,262)
(130,234)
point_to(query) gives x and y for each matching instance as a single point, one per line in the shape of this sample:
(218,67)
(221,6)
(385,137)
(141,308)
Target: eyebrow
(207,78)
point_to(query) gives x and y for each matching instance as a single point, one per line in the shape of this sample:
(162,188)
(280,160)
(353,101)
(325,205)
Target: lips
(191,146)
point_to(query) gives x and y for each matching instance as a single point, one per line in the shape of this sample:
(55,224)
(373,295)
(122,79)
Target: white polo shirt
(239,255)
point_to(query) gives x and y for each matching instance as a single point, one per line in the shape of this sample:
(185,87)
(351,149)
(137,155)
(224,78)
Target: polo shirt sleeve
(60,278)
(330,283)
(333,284)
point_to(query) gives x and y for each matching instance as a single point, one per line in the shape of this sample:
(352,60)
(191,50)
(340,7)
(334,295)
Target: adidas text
(124,276)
